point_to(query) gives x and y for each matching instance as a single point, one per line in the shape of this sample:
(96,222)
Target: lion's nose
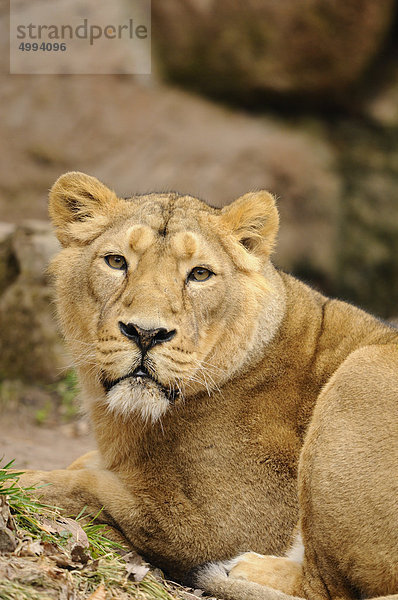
(146,338)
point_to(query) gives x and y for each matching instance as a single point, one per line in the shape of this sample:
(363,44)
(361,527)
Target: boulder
(8,263)
(381,105)
(163,139)
(367,243)
(317,48)
(30,346)
(8,542)
(138,139)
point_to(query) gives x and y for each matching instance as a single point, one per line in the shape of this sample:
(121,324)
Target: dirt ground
(42,447)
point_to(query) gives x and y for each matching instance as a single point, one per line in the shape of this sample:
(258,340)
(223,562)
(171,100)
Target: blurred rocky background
(300,98)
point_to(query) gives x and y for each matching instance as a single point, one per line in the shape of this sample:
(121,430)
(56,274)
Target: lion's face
(159,295)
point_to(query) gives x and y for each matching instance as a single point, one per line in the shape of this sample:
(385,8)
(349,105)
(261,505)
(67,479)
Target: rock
(139,139)
(367,254)
(381,105)
(163,139)
(8,264)
(34,244)
(234,49)
(8,542)
(218,154)
(30,346)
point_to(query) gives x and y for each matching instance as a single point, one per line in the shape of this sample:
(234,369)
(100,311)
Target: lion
(235,409)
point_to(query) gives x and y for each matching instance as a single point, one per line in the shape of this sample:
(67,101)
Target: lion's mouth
(141,375)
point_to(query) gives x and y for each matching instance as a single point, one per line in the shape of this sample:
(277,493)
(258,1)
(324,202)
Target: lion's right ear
(81,207)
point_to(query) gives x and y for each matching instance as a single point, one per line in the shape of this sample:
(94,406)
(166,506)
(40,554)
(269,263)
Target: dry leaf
(32,549)
(187,595)
(62,525)
(158,574)
(138,573)
(98,594)
(136,568)
(76,543)
(79,554)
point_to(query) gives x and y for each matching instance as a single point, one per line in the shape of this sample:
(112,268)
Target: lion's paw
(277,572)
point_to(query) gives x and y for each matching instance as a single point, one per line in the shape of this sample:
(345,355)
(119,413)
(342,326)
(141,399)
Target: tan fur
(277,572)
(140,238)
(263,377)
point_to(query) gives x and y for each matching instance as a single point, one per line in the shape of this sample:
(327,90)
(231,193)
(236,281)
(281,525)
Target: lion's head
(160,295)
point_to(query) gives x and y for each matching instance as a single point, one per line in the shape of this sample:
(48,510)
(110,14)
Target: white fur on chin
(130,396)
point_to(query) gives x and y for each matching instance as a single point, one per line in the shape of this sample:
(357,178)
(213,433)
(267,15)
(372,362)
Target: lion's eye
(116,261)
(200,274)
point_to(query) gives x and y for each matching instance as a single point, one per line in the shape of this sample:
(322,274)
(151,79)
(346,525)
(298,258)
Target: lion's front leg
(96,491)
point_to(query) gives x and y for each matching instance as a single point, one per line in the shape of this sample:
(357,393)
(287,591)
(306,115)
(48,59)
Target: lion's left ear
(253,220)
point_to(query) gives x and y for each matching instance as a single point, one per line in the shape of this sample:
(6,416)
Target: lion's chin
(137,396)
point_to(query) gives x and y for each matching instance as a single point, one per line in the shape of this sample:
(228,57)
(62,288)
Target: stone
(8,542)
(367,244)
(313,49)
(8,264)
(163,139)
(381,106)
(159,138)
(34,244)
(30,345)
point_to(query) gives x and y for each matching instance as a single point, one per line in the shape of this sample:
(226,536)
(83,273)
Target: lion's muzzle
(146,338)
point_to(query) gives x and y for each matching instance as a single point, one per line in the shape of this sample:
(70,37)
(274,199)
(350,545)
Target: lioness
(215,383)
